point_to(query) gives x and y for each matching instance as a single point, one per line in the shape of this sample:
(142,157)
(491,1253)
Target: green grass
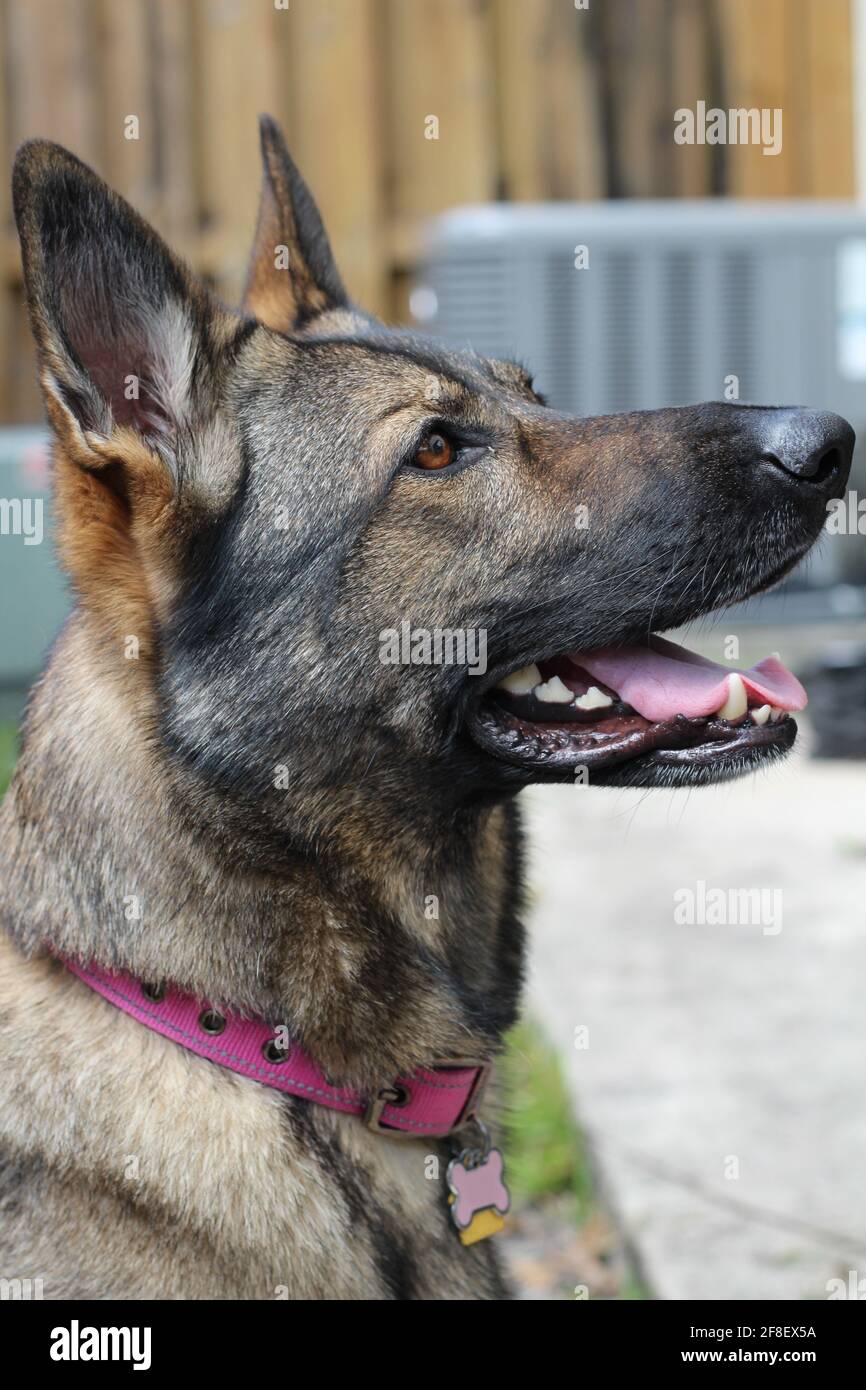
(8,752)
(546,1151)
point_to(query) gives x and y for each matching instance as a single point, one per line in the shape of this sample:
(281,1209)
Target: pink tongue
(662,680)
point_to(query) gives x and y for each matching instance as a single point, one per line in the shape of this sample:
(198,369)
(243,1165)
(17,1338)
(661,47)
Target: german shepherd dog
(225,784)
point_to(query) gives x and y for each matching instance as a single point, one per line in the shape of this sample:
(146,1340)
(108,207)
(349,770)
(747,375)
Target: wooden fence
(534,99)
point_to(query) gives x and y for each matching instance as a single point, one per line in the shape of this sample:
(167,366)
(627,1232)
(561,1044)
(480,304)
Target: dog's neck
(375,974)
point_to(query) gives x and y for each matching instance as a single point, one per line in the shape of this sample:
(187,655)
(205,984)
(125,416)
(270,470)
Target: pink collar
(432,1102)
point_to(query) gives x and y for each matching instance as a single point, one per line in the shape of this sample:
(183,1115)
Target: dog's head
(331,558)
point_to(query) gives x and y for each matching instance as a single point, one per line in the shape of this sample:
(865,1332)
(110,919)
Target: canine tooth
(553,692)
(737,702)
(761,715)
(593,699)
(522,681)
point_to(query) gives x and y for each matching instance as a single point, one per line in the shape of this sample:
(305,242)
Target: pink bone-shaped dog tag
(477,1187)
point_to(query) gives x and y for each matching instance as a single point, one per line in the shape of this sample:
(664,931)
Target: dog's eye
(436,450)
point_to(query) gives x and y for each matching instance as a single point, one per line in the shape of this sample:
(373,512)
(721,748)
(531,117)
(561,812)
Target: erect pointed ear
(129,346)
(292,275)
(125,332)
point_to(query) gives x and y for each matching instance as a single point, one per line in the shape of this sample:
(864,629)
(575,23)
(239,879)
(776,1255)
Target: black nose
(811,446)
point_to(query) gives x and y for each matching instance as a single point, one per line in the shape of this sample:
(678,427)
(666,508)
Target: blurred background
(687,1101)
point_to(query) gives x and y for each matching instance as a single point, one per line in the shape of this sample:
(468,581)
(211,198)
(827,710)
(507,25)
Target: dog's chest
(182,1180)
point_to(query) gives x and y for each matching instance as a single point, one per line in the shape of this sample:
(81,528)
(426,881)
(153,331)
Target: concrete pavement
(723,1087)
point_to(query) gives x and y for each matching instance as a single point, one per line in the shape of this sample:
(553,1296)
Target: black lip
(712,764)
(677,742)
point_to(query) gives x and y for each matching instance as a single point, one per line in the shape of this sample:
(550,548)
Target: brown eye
(434,451)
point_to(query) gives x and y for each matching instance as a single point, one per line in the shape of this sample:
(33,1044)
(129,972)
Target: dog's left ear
(292,275)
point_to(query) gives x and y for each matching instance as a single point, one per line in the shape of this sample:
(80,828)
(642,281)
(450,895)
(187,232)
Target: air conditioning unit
(34,596)
(631,305)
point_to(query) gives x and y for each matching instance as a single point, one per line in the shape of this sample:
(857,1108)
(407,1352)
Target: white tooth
(553,692)
(522,681)
(761,715)
(737,702)
(593,699)
(776,714)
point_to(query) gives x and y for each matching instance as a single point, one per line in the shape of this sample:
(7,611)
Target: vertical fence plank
(571,154)
(173,79)
(236,48)
(829,90)
(125,89)
(643,119)
(522,36)
(51,73)
(693,167)
(51,57)
(438,70)
(758,42)
(332,69)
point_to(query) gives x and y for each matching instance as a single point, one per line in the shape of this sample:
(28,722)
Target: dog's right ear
(292,273)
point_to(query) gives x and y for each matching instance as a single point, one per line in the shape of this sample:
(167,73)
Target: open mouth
(639,715)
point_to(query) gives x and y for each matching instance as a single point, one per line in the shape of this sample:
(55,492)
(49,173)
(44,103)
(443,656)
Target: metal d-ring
(472,1158)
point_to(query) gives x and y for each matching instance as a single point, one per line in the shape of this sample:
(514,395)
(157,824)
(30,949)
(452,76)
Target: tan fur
(145,828)
(129,1168)
(170,1178)
(152,1173)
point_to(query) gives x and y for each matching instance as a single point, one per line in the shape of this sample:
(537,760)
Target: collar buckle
(472,1103)
(396,1095)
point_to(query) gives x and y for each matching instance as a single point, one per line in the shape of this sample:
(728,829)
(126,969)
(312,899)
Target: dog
(234,778)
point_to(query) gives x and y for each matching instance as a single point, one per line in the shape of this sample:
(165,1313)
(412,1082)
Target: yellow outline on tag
(484,1223)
